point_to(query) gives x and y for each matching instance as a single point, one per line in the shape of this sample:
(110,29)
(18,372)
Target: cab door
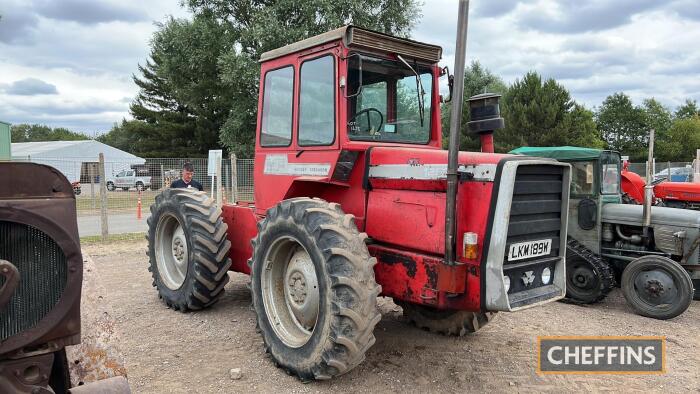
(584,220)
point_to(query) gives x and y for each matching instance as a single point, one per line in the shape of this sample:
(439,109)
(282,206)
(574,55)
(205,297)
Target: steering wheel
(369,120)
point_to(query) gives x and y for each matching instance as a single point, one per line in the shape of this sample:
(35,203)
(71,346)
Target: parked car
(127,179)
(678,174)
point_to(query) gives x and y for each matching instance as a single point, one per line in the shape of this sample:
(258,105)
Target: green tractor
(652,252)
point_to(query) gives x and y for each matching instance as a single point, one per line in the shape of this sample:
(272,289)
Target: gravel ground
(171,352)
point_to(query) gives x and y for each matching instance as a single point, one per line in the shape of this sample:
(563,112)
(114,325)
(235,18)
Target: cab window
(582,178)
(317,102)
(610,177)
(276,125)
(389,101)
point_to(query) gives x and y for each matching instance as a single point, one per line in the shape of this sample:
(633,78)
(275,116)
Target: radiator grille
(535,215)
(43,274)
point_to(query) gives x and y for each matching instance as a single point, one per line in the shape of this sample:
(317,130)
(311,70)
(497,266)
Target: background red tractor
(671,194)
(355,198)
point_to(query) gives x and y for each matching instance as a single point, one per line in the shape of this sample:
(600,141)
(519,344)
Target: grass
(115,201)
(112,238)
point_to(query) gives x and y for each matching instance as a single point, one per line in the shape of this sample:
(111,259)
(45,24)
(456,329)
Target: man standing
(186,181)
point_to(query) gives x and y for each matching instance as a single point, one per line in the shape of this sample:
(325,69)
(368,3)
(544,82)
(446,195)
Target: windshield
(610,166)
(386,97)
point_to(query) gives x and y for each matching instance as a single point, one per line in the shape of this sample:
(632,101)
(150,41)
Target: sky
(69,63)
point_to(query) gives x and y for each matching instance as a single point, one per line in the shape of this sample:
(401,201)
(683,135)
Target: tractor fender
(633,185)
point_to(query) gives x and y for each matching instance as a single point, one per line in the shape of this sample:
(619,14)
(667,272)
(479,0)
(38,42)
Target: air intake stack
(485,115)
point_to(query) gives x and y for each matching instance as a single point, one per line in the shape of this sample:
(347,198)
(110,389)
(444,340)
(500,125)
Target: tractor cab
(327,99)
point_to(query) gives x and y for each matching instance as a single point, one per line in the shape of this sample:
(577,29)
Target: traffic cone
(138,207)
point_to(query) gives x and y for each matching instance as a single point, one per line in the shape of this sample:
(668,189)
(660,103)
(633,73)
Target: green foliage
(623,125)
(477,80)
(542,113)
(181,105)
(257,26)
(36,132)
(658,117)
(687,110)
(681,141)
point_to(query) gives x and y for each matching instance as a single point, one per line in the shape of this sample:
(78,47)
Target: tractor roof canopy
(355,37)
(563,153)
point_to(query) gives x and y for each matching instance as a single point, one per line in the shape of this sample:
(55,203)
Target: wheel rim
(290,291)
(171,251)
(583,279)
(656,287)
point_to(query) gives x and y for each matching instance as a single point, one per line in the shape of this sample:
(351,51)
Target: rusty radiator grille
(43,274)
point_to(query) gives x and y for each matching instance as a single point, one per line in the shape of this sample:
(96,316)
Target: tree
(256,26)
(623,126)
(658,117)
(477,80)
(682,140)
(542,113)
(687,110)
(35,132)
(181,103)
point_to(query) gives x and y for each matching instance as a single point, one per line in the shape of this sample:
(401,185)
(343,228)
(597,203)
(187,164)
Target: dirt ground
(171,352)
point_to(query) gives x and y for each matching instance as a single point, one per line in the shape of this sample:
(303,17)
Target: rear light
(470,246)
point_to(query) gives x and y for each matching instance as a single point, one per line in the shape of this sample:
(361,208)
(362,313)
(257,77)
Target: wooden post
(103,199)
(219,199)
(234,179)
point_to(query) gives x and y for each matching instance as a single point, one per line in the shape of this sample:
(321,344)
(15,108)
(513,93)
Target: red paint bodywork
(633,185)
(404,218)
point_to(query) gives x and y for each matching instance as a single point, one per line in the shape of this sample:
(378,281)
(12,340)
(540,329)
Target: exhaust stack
(485,115)
(455,121)
(649,188)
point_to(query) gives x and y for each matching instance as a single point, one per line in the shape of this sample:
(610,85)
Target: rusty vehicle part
(40,315)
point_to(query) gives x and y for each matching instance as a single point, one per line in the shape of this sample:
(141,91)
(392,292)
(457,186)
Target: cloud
(16,24)
(89,11)
(494,8)
(575,16)
(29,87)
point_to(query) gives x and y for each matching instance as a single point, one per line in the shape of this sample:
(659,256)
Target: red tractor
(354,198)
(671,194)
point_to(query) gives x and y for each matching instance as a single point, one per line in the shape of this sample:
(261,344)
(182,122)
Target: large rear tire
(187,249)
(657,287)
(313,288)
(447,322)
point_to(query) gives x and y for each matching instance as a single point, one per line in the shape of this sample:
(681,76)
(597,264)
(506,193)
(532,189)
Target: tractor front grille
(535,215)
(43,275)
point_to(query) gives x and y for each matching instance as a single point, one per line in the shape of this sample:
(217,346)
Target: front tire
(657,287)
(446,322)
(313,288)
(110,186)
(187,249)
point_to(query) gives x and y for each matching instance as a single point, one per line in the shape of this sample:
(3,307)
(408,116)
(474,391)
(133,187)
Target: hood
(633,214)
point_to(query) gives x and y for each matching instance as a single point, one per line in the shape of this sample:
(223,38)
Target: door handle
(9,271)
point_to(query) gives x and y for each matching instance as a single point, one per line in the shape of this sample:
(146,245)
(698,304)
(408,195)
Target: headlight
(546,276)
(506,281)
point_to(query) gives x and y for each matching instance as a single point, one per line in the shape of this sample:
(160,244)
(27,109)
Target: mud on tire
(339,264)
(197,280)
(446,322)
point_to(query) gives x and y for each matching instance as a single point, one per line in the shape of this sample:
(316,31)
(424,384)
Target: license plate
(526,250)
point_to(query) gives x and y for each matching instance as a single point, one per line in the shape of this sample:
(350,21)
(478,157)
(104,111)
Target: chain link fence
(672,171)
(131,186)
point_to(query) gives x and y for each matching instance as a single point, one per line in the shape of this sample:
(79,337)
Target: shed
(75,159)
